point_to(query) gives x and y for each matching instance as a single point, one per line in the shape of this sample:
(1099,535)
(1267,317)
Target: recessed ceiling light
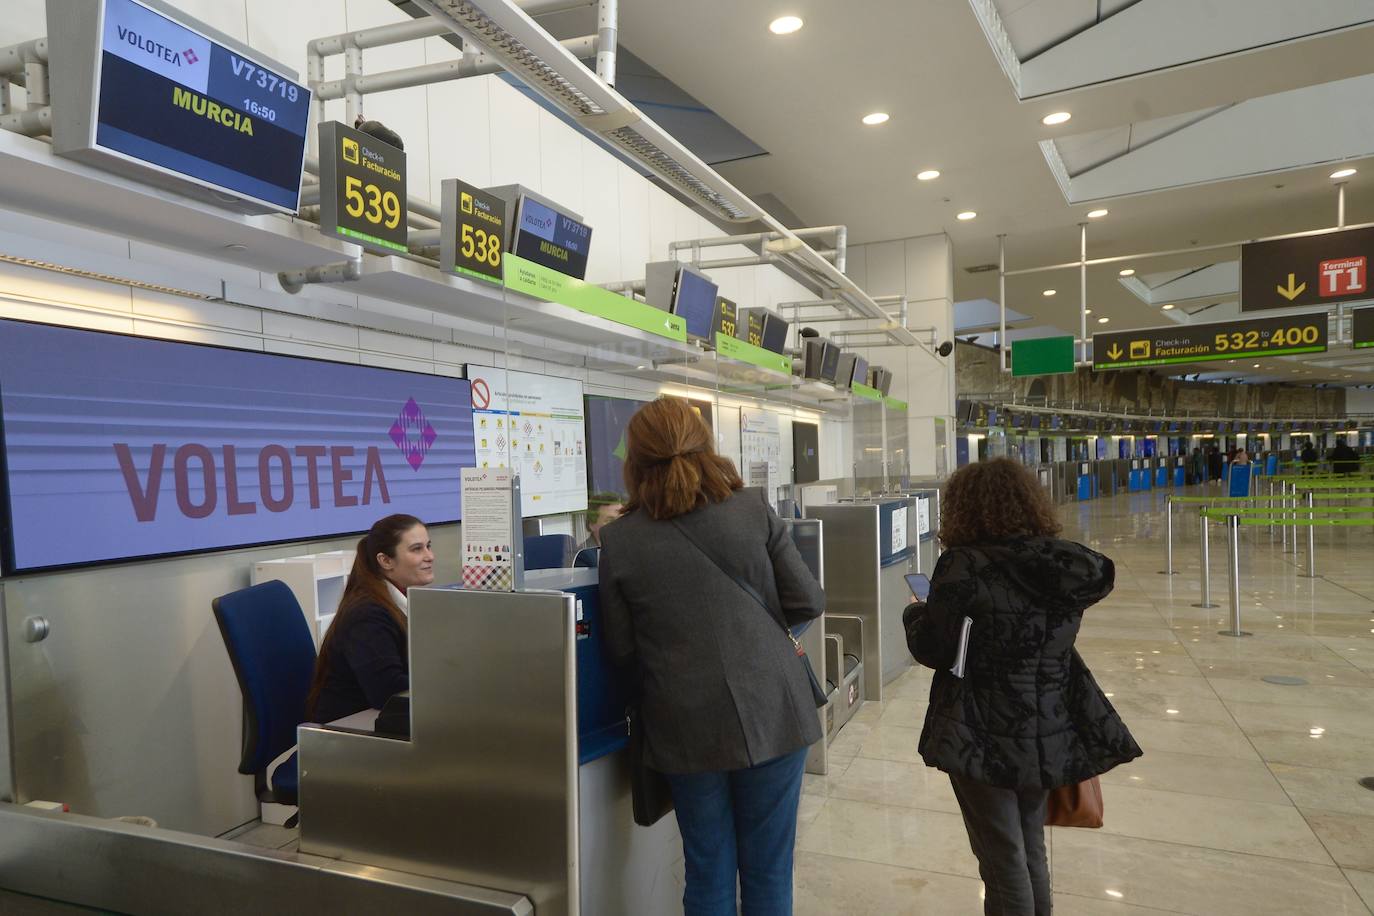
(966,215)
(1059,117)
(1087,311)
(1049,292)
(785,25)
(1103,320)
(1343,173)
(1128,272)
(1168,306)
(928,175)
(878,117)
(1097,214)
(1255,366)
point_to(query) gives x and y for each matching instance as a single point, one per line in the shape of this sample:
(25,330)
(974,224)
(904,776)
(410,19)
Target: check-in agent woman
(363,658)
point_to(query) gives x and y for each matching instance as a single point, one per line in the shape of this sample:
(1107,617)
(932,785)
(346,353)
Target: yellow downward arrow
(1291,292)
(1115,352)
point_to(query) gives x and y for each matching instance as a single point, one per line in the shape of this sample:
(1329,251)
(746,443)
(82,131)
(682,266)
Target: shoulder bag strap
(744,586)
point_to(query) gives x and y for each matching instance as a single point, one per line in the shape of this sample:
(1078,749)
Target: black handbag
(650,795)
(817,694)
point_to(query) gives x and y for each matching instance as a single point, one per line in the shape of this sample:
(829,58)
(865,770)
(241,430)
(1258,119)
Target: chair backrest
(549,551)
(588,557)
(273,655)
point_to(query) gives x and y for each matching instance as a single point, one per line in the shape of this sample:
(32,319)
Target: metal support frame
(1083,291)
(293,281)
(1233,575)
(1340,205)
(1004,350)
(607,17)
(26,64)
(1206,564)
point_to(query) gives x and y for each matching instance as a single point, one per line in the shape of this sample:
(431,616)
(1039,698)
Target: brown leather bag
(1077,805)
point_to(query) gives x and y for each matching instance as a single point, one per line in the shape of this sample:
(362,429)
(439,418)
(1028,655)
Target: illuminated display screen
(694,300)
(547,237)
(117,447)
(169,97)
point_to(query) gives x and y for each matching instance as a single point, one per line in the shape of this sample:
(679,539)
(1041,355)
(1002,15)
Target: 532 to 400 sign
(369,202)
(1281,337)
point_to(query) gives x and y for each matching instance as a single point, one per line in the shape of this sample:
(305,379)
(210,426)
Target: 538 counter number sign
(480,246)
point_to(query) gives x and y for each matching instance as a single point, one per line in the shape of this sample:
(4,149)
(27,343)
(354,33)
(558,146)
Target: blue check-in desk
(515,775)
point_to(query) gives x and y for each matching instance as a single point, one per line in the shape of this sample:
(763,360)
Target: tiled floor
(1246,801)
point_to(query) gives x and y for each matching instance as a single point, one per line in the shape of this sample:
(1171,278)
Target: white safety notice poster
(922,516)
(535,425)
(761,443)
(490,532)
(899,529)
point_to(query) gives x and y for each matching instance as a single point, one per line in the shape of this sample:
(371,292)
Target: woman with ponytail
(699,585)
(363,658)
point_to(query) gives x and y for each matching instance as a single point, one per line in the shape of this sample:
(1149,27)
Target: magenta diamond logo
(412,434)
(191,57)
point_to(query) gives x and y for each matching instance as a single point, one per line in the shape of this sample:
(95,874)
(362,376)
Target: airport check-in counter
(870,547)
(515,774)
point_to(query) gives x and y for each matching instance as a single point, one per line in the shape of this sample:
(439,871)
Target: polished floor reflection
(1247,800)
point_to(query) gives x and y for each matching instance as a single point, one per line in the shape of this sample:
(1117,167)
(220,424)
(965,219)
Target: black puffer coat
(1027,714)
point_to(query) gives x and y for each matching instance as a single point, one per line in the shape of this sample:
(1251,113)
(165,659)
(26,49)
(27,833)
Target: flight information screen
(695,302)
(169,97)
(547,237)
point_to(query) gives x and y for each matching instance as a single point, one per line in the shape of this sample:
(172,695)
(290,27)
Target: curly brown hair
(671,466)
(994,500)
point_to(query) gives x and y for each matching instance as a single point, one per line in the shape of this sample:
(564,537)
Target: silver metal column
(1293,541)
(1206,565)
(1168,569)
(1311,538)
(1233,574)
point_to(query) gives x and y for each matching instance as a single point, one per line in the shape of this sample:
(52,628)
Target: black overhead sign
(362,189)
(1199,343)
(1310,270)
(473,229)
(1363,328)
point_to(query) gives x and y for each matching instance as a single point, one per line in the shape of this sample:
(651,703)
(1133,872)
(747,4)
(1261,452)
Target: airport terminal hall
(714,458)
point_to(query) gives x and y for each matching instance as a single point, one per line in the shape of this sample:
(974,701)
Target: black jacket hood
(1053,568)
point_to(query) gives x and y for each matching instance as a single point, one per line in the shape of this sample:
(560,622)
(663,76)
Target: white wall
(1359,401)
(921,269)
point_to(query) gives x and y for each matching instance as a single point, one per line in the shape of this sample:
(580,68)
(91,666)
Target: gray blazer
(722,687)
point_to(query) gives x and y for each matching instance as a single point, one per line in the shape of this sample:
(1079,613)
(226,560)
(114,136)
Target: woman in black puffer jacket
(1027,716)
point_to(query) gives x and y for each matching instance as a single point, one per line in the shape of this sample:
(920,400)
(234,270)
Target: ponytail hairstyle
(366,585)
(671,466)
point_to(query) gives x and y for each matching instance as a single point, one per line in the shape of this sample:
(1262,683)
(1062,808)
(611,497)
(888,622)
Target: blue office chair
(549,551)
(587,557)
(273,655)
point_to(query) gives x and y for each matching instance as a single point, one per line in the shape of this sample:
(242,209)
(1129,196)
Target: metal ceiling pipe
(1340,205)
(30,123)
(758,238)
(607,30)
(1083,288)
(353,68)
(293,281)
(376,37)
(751,261)
(13,58)
(476,64)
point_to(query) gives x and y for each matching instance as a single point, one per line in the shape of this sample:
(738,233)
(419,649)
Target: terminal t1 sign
(1323,269)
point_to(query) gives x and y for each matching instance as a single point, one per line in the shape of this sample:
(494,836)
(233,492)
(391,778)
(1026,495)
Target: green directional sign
(894,404)
(1042,356)
(1200,343)
(545,283)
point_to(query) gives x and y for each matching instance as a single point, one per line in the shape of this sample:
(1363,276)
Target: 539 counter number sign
(371,202)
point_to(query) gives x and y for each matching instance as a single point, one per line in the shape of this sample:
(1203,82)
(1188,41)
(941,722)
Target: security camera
(945,348)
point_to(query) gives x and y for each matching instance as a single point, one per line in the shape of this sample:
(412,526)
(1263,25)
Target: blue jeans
(739,821)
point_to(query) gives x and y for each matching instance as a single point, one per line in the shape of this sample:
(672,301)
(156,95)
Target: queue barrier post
(1311,539)
(1168,569)
(1233,575)
(1206,565)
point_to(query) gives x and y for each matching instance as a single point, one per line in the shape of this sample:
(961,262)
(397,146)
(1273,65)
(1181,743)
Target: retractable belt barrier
(1308,516)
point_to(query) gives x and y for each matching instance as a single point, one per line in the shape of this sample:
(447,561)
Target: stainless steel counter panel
(486,790)
(116,867)
(6,717)
(626,870)
(130,705)
(856,584)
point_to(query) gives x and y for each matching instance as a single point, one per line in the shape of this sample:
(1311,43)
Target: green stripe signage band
(863,391)
(543,283)
(1198,343)
(895,404)
(745,352)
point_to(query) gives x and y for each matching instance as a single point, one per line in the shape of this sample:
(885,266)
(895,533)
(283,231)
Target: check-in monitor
(830,362)
(694,301)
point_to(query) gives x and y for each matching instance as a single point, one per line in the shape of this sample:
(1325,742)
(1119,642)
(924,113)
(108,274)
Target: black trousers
(1006,830)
